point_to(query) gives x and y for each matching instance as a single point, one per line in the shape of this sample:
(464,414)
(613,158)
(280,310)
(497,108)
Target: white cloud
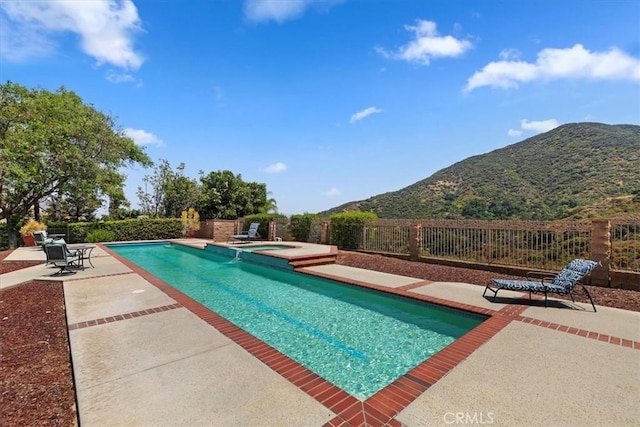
(18,43)
(105,29)
(427,44)
(280,10)
(333,192)
(551,64)
(540,125)
(276,168)
(142,137)
(509,54)
(537,126)
(115,77)
(364,113)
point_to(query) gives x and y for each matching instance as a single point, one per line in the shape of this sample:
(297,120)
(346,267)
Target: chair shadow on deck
(537,301)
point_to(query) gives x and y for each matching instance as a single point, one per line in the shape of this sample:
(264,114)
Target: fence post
(364,237)
(601,251)
(272,230)
(324,233)
(415,242)
(488,245)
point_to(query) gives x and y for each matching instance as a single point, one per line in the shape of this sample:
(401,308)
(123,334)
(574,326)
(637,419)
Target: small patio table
(84,252)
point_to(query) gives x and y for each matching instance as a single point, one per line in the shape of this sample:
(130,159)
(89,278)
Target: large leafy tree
(52,143)
(224,195)
(167,192)
(180,193)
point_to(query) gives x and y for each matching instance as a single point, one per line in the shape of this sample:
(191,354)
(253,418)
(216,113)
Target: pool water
(358,339)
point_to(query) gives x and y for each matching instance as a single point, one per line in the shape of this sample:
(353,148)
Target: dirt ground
(36,381)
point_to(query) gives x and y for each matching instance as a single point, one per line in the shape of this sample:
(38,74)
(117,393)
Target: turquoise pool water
(358,339)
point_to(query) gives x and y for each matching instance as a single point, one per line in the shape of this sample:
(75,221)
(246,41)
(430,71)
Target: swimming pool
(358,339)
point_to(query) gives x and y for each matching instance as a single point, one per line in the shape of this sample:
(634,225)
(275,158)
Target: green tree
(53,143)
(74,207)
(476,209)
(270,205)
(118,205)
(167,192)
(180,193)
(224,195)
(152,195)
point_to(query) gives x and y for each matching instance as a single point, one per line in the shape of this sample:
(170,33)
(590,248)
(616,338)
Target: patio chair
(252,233)
(561,284)
(42,238)
(61,257)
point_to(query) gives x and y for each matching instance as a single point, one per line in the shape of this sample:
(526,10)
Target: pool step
(310,262)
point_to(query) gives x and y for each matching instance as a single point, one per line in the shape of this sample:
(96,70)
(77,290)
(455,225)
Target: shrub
(347,228)
(99,236)
(300,226)
(124,230)
(31,226)
(190,221)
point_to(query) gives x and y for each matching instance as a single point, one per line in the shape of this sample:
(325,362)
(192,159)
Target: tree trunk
(11,234)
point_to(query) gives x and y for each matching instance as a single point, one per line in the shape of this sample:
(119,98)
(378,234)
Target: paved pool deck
(144,354)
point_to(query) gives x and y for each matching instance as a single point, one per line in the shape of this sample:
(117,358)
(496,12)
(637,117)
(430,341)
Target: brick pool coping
(381,408)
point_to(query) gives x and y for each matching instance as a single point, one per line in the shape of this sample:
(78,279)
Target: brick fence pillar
(601,251)
(272,231)
(325,237)
(415,242)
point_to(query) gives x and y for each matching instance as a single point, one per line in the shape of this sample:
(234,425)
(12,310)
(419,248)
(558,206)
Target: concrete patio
(143,354)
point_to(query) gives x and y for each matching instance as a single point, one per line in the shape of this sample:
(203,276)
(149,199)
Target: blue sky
(329,101)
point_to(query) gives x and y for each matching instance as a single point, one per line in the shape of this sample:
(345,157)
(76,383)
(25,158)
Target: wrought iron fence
(625,245)
(389,238)
(530,244)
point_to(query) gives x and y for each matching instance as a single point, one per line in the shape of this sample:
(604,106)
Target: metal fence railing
(625,245)
(546,245)
(528,244)
(392,239)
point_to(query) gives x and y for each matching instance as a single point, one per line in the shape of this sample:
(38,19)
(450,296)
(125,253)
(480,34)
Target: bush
(124,230)
(99,236)
(190,221)
(347,228)
(31,226)
(300,226)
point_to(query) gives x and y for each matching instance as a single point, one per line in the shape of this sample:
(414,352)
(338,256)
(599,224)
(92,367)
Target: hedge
(123,230)
(347,228)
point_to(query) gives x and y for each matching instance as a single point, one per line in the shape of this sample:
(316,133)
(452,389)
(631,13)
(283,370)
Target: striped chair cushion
(582,266)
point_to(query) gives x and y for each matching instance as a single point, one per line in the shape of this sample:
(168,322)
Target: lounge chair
(61,257)
(252,234)
(561,284)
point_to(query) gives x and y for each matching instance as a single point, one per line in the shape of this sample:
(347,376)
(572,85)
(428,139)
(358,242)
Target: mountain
(549,176)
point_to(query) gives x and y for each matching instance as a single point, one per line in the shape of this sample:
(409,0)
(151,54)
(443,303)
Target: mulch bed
(36,381)
(609,297)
